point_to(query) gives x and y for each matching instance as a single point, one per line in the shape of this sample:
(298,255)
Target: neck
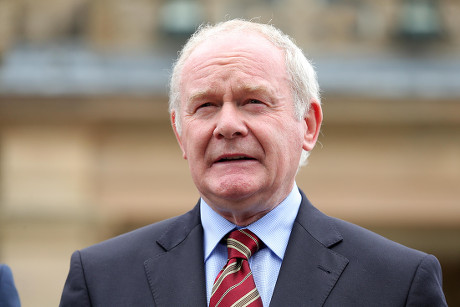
(245,211)
(243,220)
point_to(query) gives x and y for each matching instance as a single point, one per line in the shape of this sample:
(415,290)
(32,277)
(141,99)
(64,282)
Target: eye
(205,105)
(254,101)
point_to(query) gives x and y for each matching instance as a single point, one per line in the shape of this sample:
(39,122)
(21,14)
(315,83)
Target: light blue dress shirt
(273,229)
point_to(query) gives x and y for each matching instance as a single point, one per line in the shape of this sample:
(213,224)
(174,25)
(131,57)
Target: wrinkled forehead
(244,42)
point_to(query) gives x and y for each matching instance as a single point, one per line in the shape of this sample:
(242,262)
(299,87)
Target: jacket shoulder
(369,242)
(143,241)
(387,269)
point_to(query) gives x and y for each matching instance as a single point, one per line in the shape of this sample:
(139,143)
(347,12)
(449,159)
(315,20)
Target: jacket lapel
(310,269)
(176,276)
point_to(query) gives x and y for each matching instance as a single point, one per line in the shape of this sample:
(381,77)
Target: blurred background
(87,152)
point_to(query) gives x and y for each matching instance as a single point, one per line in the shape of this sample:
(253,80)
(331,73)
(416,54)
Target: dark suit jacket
(8,294)
(328,262)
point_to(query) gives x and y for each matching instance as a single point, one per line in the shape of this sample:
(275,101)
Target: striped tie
(234,286)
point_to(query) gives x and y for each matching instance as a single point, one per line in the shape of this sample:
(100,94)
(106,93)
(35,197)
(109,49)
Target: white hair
(302,76)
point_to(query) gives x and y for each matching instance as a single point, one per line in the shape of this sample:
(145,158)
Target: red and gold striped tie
(234,286)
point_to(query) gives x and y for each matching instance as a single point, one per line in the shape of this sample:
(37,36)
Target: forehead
(235,40)
(241,55)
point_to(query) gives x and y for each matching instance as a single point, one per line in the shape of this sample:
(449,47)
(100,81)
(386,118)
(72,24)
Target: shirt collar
(273,229)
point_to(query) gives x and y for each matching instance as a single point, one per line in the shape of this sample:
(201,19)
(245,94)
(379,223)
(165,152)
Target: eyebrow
(199,95)
(255,88)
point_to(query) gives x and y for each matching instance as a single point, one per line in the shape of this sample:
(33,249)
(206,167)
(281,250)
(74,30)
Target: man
(246,112)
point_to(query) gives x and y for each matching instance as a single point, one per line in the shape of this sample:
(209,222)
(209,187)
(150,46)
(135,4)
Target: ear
(313,119)
(176,133)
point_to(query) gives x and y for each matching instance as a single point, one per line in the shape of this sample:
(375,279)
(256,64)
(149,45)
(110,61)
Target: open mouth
(234,158)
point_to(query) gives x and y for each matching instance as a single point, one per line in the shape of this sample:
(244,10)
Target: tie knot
(242,243)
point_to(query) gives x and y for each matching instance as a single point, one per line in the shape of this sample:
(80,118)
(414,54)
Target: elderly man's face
(239,133)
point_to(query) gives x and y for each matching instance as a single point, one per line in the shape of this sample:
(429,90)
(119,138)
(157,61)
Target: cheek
(287,142)
(195,140)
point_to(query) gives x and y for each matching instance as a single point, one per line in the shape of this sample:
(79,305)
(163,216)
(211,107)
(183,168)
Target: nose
(230,123)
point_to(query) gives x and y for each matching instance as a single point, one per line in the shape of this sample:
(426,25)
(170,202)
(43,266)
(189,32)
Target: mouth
(234,158)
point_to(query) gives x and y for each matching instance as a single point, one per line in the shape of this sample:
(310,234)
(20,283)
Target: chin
(235,189)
